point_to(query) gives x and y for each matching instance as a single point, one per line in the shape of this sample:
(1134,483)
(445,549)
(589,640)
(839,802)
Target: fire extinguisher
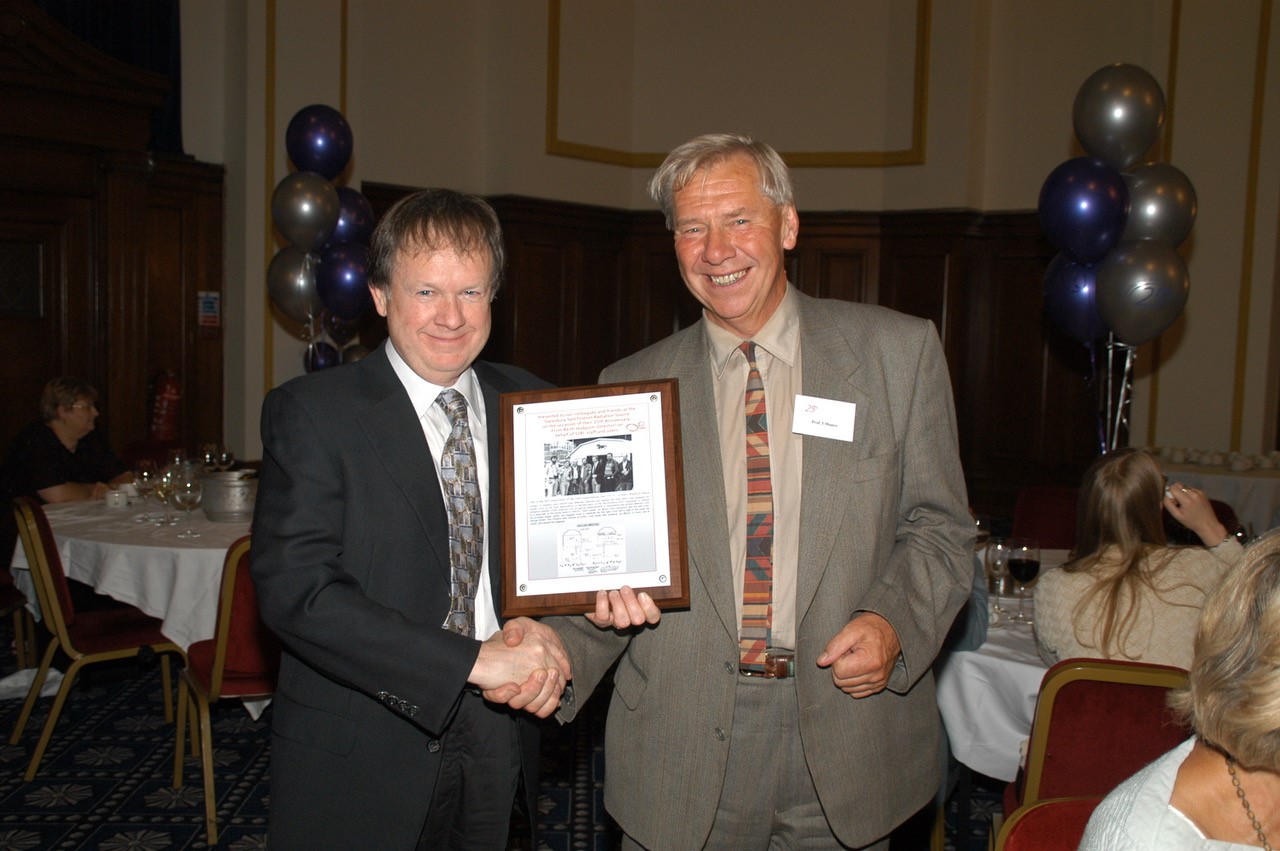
(166,403)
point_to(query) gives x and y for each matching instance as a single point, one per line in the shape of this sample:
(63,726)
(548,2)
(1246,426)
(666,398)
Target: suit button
(720,733)
(433,746)
(728,666)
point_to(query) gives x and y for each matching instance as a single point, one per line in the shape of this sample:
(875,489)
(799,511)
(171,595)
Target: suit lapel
(829,369)
(704,479)
(396,437)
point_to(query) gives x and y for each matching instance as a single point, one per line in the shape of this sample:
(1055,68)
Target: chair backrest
(1097,722)
(1047,513)
(244,645)
(1055,824)
(41,548)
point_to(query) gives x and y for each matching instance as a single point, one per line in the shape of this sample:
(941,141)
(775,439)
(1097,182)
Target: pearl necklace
(1244,801)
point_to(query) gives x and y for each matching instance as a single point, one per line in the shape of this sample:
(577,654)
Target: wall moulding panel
(865,104)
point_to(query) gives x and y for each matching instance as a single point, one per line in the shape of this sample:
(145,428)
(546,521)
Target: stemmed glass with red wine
(1024,567)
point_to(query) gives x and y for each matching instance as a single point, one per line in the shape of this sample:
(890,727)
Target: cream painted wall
(453,92)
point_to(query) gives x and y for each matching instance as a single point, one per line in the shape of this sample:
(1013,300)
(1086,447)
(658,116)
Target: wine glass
(186,495)
(209,456)
(177,456)
(997,565)
(144,480)
(163,489)
(1024,567)
(226,459)
(982,526)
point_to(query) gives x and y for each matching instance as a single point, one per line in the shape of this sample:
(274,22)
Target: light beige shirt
(778,356)
(436,429)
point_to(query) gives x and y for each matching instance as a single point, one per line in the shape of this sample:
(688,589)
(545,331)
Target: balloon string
(1118,397)
(1097,388)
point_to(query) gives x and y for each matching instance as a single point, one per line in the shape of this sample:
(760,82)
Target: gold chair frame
(52,614)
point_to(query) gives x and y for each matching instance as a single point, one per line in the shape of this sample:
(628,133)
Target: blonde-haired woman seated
(1125,594)
(1220,789)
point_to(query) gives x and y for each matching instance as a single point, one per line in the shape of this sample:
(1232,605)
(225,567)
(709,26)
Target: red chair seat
(234,683)
(114,629)
(1054,824)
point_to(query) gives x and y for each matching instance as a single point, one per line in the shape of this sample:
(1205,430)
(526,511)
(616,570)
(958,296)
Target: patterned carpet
(105,781)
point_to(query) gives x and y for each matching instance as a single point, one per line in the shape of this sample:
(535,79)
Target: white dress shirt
(436,428)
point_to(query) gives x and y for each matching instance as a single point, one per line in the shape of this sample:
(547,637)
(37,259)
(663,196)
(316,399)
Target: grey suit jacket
(351,564)
(885,528)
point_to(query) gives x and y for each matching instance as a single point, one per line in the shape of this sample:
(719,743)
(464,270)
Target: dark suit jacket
(351,563)
(884,528)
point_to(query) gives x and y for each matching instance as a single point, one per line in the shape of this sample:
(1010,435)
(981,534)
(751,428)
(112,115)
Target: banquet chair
(85,637)
(14,602)
(1046,513)
(240,661)
(1054,824)
(1096,722)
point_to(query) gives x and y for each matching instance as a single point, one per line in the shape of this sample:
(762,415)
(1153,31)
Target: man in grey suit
(388,728)
(804,715)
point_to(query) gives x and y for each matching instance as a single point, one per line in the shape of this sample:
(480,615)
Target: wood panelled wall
(103,246)
(588,285)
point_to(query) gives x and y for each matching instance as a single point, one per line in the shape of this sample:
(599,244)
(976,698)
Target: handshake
(525,666)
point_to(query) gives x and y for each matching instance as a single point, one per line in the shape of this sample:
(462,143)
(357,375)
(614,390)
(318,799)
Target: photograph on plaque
(594,497)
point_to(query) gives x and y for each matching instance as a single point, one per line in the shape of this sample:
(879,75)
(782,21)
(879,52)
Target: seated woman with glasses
(1125,594)
(1219,789)
(62,458)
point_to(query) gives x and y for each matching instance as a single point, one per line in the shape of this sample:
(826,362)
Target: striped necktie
(757,587)
(466,515)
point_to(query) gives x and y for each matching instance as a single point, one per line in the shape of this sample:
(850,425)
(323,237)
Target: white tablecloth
(987,698)
(141,564)
(1254,494)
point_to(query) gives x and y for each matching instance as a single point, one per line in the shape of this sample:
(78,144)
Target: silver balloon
(305,208)
(291,283)
(1162,204)
(1118,113)
(354,352)
(1142,287)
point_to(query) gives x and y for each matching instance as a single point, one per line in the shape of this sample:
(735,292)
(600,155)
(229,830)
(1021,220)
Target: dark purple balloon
(1071,299)
(320,356)
(319,139)
(355,218)
(342,280)
(341,331)
(1083,207)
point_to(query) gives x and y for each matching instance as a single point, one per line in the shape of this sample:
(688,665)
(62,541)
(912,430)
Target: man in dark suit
(382,591)
(829,547)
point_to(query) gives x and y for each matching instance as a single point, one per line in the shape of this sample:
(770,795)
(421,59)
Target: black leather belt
(778,665)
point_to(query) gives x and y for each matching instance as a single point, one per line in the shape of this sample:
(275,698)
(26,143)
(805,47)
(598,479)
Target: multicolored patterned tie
(757,587)
(466,515)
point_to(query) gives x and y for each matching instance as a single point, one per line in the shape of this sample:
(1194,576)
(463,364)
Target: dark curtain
(143,33)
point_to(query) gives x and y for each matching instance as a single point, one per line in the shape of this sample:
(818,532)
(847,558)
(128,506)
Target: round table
(148,566)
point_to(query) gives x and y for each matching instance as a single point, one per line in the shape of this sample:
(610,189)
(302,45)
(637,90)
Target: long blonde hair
(1119,515)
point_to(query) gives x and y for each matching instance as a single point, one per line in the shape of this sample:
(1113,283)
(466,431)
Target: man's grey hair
(711,149)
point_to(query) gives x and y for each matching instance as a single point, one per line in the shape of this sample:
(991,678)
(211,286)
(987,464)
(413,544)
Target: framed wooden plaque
(593,496)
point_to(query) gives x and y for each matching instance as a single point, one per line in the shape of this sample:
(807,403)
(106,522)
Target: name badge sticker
(823,418)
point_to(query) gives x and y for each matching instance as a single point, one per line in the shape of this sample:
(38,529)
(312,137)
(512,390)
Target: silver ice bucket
(229,497)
